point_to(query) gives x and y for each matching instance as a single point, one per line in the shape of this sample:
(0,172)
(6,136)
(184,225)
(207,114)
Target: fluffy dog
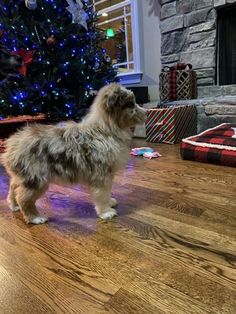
(90,152)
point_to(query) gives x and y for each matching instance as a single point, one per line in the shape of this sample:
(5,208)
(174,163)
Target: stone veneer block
(193,38)
(209,91)
(170,58)
(229,90)
(202,40)
(203,27)
(218,3)
(221,109)
(187,6)
(184,6)
(202,58)
(168,10)
(172,23)
(199,16)
(173,42)
(200,4)
(206,81)
(202,73)
(208,42)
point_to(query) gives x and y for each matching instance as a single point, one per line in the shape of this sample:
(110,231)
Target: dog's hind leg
(26,198)
(11,198)
(113,202)
(103,202)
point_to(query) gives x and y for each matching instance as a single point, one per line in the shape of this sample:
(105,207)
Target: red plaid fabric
(172,82)
(216,145)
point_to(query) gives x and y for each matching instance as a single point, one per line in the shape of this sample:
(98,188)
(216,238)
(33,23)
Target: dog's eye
(129,104)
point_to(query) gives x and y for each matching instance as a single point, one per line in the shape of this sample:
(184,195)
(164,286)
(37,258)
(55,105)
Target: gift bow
(178,66)
(27,57)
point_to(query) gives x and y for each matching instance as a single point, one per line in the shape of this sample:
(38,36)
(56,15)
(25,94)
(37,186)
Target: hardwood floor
(171,250)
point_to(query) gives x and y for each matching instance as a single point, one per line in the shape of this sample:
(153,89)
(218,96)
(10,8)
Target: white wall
(150,45)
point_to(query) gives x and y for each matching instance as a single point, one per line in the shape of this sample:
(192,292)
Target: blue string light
(75,47)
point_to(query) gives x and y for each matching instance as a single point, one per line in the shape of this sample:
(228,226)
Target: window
(117,20)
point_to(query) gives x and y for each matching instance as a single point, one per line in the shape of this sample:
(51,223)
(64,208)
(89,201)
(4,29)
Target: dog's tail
(2,152)
(1,160)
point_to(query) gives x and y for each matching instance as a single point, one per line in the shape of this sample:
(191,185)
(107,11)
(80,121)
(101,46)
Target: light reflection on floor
(70,207)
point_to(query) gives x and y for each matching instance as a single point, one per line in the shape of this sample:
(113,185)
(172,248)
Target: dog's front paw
(14,208)
(37,220)
(13,205)
(113,202)
(108,214)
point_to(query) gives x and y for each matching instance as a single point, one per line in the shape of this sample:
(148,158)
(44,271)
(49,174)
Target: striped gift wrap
(171,125)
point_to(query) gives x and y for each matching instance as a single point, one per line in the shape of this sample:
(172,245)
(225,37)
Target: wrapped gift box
(171,125)
(178,82)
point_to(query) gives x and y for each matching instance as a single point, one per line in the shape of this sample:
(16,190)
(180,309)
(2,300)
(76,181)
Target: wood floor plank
(57,283)
(131,279)
(111,247)
(17,298)
(126,302)
(171,250)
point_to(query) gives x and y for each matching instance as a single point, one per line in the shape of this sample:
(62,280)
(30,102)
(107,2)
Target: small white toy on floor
(90,152)
(234,136)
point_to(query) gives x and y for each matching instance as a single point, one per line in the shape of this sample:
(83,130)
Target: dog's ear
(113,99)
(114,96)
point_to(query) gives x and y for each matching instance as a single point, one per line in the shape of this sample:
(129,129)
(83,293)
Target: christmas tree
(51,60)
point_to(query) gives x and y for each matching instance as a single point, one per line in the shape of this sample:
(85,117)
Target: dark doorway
(227,46)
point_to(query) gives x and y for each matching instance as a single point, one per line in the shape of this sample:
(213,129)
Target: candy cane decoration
(31,4)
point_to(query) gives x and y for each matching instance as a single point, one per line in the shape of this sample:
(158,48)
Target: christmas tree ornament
(31,4)
(1,33)
(27,57)
(51,41)
(110,33)
(96,65)
(107,58)
(79,16)
(8,63)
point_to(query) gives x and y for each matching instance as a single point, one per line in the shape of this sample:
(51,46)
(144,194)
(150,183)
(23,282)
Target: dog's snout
(141,114)
(144,114)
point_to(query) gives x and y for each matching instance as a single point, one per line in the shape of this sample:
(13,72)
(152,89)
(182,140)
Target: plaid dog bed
(216,145)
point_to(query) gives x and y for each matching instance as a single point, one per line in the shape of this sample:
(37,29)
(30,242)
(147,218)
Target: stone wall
(188,29)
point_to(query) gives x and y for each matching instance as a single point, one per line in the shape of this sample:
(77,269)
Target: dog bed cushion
(216,145)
